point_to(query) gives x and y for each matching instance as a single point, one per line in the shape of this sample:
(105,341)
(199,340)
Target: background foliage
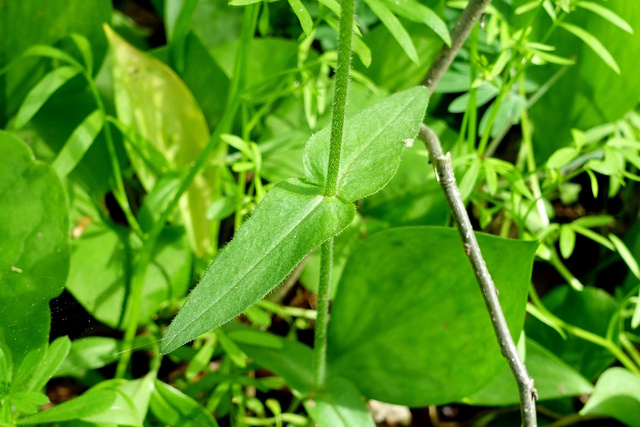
(149,146)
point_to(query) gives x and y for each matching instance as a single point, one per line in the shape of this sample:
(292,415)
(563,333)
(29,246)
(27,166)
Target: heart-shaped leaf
(34,243)
(409,314)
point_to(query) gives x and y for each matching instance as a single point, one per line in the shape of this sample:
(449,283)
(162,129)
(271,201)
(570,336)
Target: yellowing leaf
(151,98)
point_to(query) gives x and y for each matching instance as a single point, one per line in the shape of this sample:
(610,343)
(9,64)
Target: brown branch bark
(447,180)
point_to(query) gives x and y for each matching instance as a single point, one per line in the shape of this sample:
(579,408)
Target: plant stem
(119,193)
(322,319)
(345,35)
(446,178)
(585,335)
(459,34)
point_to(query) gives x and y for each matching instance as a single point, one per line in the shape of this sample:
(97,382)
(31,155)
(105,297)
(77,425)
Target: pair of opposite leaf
(295,217)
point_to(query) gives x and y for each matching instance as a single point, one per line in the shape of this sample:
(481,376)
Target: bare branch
(447,180)
(459,34)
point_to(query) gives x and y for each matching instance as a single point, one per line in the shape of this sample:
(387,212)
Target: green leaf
(88,354)
(102,255)
(174,408)
(386,322)
(395,28)
(78,143)
(411,198)
(84,47)
(34,243)
(27,23)
(417,12)
(259,257)
(590,92)
(42,92)
(86,405)
(607,14)
(372,145)
(562,157)
(26,368)
(131,404)
(178,34)
(625,254)
(616,395)
(552,377)
(242,2)
(290,359)
(567,240)
(470,178)
(338,405)
(590,309)
(594,44)
(146,94)
(55,356)
(303,15)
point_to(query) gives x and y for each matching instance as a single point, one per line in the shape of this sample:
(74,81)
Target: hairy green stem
(322,318)
(345,35)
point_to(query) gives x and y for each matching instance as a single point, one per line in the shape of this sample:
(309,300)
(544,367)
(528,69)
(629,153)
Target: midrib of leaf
(364,147)
(253,266)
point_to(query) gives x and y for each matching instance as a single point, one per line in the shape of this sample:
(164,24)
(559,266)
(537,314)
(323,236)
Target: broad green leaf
(78,143)
(101,256)
(617,395)
(409,290)
(34,243)
(372,145)
(292,220)
(590,309)
(303,15)
(412,198)
(552,377)
(146,94)
(290,359)
(174,408)
(42,92)
(417,12)
(86,405)
(607,14)
(395,28)
(339,405)
(594,44)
